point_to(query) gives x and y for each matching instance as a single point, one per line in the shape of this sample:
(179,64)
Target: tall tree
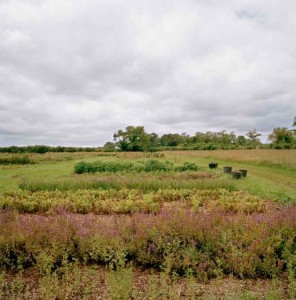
(134,138)
(281,135)
(171,139)
(241,140)
(109,146)
(154,140)
(253,136)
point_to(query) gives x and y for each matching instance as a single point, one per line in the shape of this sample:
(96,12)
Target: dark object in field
(227,169)
(213,165)
(244,173)
(236,175)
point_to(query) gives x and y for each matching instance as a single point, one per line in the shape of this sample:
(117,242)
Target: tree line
(44,149)
(135,138)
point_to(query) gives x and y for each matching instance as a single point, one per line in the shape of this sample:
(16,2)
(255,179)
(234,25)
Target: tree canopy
(134,138)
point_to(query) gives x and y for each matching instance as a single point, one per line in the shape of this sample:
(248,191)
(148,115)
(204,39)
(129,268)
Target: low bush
(153,165)
(82,167)
(107,166)
(187,166)
(25,160)
(150,165)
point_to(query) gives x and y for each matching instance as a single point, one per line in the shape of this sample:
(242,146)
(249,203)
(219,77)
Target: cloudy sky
(73,72)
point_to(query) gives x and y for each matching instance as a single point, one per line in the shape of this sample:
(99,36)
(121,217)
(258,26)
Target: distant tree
(225,138)
(281,136)
(154,140)
(253,136)
(109,146)
(40,149)
(241,140)
(171,139)
(134,138)
(294,130)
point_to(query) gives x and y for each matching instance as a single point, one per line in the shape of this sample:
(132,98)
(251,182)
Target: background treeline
(137,139)
(45,149)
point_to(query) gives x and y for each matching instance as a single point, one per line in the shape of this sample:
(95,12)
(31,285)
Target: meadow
(133,225)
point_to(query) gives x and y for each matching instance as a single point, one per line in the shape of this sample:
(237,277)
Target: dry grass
(56,156)
(280,157)
(269,156)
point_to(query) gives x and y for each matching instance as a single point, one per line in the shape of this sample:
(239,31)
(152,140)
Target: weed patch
(16,161)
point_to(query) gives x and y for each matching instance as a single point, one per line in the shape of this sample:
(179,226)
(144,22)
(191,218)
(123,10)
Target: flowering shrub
(176,241)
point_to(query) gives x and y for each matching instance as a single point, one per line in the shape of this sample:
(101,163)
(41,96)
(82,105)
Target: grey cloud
(74,72)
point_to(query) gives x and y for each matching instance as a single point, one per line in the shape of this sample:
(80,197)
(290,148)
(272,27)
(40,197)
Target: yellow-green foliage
(223,200)
(128,201)
(82,201)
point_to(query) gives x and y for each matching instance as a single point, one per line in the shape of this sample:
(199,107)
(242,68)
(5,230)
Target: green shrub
(107,166)
(16,161)
(187,166)
(81,167)
(153,165)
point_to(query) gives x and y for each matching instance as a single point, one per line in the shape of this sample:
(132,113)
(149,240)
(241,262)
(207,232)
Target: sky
(74,72)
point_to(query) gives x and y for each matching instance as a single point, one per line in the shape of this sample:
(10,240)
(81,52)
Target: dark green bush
(187,166)
(153,165)
(107,166)
(16,161)
(82,167)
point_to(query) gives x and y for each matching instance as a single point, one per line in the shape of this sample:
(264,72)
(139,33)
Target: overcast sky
(73,72)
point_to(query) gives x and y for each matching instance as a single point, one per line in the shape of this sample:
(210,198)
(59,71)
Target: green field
(148,226)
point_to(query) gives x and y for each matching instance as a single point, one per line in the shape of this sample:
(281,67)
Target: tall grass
(143,182)
(273,158)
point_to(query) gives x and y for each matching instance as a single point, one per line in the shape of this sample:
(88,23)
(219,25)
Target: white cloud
(74,72)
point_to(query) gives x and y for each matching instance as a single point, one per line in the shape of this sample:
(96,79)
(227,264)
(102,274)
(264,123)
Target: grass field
(148,226)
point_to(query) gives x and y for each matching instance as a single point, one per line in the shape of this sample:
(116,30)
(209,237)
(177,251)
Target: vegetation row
(16,160)
(180,242)
(147,182)
(129,201)
(150,165)
(71,281)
